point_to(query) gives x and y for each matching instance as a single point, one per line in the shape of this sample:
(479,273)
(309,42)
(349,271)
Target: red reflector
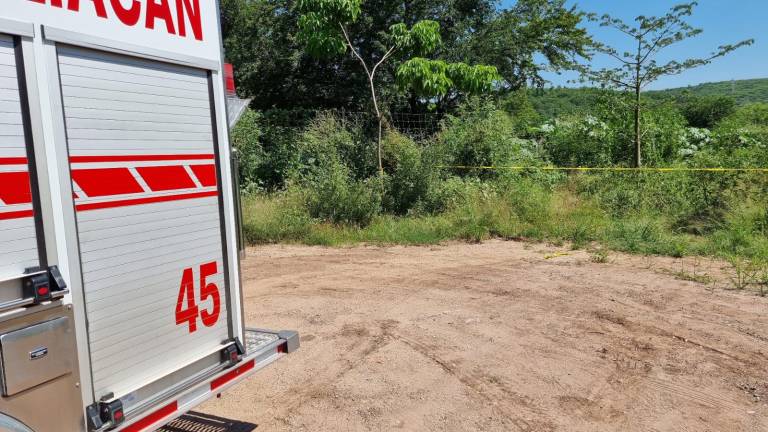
(153,418)
(118,415)
(282,349)
(220,381)
(42,291)
(229,78)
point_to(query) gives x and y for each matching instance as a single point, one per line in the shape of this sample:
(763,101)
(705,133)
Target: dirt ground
(500,336)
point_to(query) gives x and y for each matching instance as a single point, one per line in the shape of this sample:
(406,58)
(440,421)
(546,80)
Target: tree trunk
(638,143)
(638,89)
(381,165)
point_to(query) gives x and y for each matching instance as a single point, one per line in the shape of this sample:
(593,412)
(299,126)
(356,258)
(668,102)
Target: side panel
(18,236)
(143,168)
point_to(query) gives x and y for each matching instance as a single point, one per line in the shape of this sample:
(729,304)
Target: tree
(519,38)
(639,67)
(324,32)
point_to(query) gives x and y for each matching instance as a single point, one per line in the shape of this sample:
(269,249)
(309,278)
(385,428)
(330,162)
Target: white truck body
(120,297)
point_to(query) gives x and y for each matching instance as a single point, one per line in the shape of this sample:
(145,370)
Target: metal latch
(41,285)
(38,287)
(233,353)
(106,413)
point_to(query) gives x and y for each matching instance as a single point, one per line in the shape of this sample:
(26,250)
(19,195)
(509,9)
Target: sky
(723,21)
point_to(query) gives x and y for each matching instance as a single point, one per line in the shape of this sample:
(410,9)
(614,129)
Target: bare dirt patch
(501,336)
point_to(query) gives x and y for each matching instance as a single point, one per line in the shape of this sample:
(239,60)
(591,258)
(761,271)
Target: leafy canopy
(323,31)
(651,35)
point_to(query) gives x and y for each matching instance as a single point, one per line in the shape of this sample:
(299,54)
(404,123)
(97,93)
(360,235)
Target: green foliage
(598,138)
(651,35)
(428,78)
(338,198)
(746,128)
(639,67)
(742,91)
(269,42)
(518,38)
(410,175)
(246,139)
(707,111)
(483,136)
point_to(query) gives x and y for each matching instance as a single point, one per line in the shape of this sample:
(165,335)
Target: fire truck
(120,295)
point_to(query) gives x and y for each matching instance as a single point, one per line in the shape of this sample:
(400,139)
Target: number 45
(207,290)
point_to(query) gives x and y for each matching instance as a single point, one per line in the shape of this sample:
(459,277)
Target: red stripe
(15,188)
(17,214)
(13,161)
(106,182)
(222,380)
(153,418)
(139,158)
(165,178)
(206,174)
(139,201)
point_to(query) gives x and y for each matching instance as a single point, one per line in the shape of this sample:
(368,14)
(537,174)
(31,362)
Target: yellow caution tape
(615,169)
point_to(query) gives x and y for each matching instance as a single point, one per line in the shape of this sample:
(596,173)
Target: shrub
(483,136)
(746,128)
(705,112)
(246,138)
(409,176)
(338,198)
(580,141)
(328,141)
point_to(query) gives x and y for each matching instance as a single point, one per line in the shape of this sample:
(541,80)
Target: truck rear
(120,296)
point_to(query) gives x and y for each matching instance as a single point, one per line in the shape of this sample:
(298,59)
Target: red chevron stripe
(206,174)
(165,178)
(15,188)
(106,182)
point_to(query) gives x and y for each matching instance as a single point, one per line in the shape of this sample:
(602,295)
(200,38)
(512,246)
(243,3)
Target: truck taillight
(229,78)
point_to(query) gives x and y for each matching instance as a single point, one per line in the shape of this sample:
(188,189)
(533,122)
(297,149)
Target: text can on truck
(120,296)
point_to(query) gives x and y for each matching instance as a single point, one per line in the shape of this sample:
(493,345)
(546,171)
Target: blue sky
(723,21)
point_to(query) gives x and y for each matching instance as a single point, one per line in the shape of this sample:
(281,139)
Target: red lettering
(187,291)
(101,11)
(128,16)
(159,11)
(192,9)
(209,290)
(38,1)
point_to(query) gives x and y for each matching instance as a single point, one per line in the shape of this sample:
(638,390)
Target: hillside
(556,101)
(744,91)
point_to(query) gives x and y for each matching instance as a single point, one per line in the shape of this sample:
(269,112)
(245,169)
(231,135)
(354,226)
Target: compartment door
(18,234)
(142,151)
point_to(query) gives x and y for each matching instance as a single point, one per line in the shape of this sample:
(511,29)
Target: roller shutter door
(143,168)
(18,239)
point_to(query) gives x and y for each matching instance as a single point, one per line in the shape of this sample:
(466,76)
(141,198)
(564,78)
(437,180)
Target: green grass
(525,213)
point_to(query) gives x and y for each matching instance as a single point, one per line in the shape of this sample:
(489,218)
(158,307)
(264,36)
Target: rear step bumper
(262,348)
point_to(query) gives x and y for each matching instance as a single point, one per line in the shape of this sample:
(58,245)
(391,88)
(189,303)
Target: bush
(483,136)
(580,141)
(705,112)
(328,141)
(605,136)
(746,128)
(246,138)
(409,176)
(338,198)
